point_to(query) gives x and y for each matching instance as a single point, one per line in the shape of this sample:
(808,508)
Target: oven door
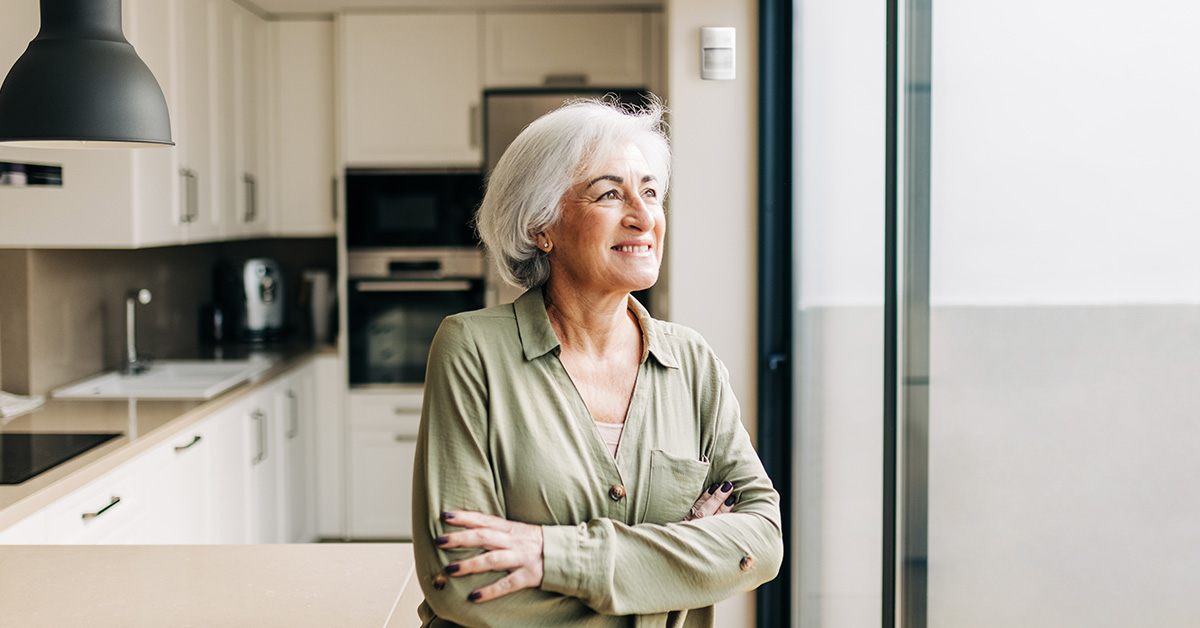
(392,323)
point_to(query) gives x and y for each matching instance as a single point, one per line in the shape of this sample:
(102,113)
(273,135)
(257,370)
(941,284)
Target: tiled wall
(62,312)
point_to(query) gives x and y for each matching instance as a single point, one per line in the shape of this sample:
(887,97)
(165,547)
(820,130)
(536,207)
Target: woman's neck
(589,323)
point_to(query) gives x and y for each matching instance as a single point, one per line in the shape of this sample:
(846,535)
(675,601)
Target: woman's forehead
(619,157)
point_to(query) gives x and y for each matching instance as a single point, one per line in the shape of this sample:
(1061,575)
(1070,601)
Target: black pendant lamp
(80,84)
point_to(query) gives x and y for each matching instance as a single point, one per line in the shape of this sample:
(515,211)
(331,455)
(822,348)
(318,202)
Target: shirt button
(616,492)
(747,563)
(439,581)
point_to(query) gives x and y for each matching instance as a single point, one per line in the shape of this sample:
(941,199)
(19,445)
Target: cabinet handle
(294,430)
(251,197)
(186,215)
(92,515)
(260,418)
(335,200)
(400,438)
(473,112)
(193,196)
(179,448)
(403,410)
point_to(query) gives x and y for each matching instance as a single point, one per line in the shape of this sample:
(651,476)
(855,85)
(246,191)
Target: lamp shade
(80,84)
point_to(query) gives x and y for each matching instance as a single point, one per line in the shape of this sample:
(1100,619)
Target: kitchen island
(298,586)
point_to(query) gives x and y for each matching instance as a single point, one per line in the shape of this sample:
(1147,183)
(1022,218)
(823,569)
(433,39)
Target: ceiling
(284,7)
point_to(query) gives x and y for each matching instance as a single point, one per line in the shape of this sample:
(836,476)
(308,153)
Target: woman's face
(609,238)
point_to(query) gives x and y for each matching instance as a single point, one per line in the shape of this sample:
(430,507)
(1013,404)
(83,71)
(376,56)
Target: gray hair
(525,190)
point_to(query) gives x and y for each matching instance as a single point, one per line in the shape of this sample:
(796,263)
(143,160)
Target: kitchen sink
(168,379)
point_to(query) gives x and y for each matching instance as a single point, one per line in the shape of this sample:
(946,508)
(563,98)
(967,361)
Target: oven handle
(412,286)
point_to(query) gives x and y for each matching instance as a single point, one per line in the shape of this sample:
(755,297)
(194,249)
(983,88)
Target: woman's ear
(543,242)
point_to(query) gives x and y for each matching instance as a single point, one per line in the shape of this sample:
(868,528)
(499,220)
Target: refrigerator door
(508,112)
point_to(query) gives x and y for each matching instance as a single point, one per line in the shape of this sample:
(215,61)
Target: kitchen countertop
(317,585)
(142,423)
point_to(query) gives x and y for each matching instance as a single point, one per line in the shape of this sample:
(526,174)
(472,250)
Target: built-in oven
(407,208)
(396,299)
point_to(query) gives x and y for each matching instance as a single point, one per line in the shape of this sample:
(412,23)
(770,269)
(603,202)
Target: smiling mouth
(642,248)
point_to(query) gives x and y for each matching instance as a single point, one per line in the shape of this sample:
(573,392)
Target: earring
(545,245)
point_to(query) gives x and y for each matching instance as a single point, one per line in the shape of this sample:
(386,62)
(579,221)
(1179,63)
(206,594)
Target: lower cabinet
(244,474)
(383,445)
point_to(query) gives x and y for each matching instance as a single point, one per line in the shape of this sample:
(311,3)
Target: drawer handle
(92,515)
(179,448)
(403,410)
(403,438)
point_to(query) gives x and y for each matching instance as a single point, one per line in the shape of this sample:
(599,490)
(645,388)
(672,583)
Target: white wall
(712,233)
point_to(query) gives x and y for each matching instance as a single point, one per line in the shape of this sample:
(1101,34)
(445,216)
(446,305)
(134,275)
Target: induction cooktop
(24,455)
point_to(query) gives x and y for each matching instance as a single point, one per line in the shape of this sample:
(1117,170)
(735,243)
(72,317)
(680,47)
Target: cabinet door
(29,531)
(303,200)
(243,148)
(262,495)
(294,403)
(179,489)
(381,468)
(230,472)
(329,446)
(158,210)
(198,93)
(411,90)
(531,49)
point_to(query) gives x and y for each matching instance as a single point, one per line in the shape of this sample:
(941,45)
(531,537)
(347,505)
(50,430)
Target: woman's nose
(637,213)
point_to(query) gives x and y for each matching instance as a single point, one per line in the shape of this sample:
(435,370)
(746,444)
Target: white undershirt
(610,433)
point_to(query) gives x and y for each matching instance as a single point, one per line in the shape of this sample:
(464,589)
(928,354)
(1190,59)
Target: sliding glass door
(997,315)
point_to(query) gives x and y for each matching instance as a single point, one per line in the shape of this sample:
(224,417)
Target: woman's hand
(717,500)
(511,546)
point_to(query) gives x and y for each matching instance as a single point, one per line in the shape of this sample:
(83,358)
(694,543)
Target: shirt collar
(538,337)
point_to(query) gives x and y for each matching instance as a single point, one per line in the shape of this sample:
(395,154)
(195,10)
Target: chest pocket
(675,484)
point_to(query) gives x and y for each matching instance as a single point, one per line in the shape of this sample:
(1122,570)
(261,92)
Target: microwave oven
(412,208)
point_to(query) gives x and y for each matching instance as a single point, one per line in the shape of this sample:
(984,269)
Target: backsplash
(62,312)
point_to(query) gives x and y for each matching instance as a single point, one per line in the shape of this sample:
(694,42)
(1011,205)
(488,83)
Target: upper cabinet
(565,49)
(411,87)
(302,197)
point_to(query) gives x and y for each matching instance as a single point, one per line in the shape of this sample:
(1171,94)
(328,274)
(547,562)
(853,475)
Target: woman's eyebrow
(618,180)
(607,177)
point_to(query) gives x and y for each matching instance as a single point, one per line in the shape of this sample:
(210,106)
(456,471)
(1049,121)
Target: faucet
(132,365)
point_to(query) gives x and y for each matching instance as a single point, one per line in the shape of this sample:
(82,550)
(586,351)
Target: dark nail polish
(453,568)
(729,500)
(726,486)
(475,595)
(442,540)
(712,489)
(446,516)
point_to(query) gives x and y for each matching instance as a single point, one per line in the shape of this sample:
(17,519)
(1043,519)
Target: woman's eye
(610,195)
(650,193)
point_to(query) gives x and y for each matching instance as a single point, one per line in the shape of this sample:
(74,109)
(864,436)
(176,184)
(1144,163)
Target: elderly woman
(580,463)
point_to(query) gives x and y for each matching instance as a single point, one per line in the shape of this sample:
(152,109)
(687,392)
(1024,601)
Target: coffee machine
(252,299)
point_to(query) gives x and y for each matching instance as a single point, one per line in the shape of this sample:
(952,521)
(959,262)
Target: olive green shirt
(505,432)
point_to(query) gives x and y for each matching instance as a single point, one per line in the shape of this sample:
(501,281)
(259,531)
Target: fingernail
(475,595)
(453,568)
(446,516)
(729,500)
(442,540)
(726,486)
(712,489)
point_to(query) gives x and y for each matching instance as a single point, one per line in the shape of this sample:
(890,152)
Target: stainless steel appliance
(405,208)
(396,299)
(252,295)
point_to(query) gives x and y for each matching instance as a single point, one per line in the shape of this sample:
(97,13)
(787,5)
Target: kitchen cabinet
(295,404)
(410,86)
(260,428)
(303,199)
(245,72)
(109,510)
(329,446)
(383,445)
(179,475)
(569,48)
